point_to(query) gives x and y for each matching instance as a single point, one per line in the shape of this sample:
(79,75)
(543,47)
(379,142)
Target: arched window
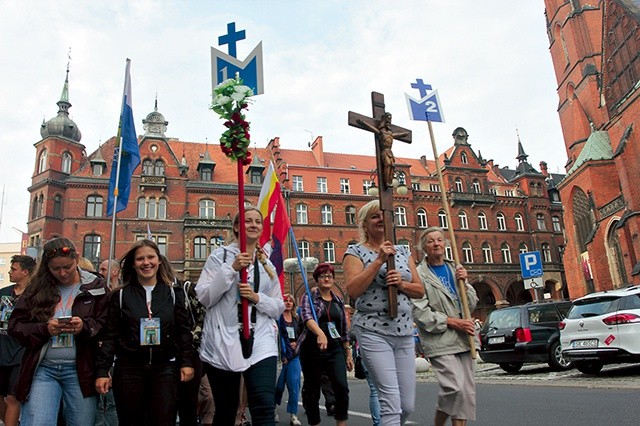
(206,209)
(301,214)
(142,208)
(540,221)
(519,222)
(467,252)
(326,213)
(42,161)
(523,248)
(463,158)
(158,168)
(459,186)
(199,248)
(329,252)
(422,218)
(486,253)
(401,216)
(464,223)
(482,221)
(476,186)
(583,218)
(502,223)
(34,208)
(57,206)
(147,167)
(152,210)
(506,253)
(41,205)
(162,208)
(91,248)
(303,248)
(66,162)
(350,215)
(402,178)
(94,206)
(546,253)
(442,219)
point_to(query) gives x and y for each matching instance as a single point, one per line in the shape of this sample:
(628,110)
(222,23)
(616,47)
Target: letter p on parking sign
(531,264)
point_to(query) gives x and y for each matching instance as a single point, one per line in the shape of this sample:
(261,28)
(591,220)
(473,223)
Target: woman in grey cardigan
(443,332)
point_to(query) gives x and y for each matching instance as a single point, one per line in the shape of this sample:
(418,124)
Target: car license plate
(589,343)
(496,340)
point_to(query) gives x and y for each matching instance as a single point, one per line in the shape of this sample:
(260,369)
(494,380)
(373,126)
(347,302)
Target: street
(534,396)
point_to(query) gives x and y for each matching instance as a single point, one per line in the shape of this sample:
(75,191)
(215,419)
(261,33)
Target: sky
(489,62)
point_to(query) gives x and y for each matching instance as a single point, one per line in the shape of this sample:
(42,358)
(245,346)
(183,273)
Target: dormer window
(463,158)
(206,173)
(98,169)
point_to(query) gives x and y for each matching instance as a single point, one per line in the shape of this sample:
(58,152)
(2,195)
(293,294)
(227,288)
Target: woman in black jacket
(148,330)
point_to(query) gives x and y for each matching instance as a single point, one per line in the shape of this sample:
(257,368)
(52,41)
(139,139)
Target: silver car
(602,328)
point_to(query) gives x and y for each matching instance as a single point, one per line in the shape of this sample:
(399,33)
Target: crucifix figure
(385,133)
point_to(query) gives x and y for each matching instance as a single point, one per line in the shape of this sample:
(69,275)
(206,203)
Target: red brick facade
(595,49)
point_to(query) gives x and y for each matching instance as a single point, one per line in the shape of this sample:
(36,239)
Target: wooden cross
(373,124)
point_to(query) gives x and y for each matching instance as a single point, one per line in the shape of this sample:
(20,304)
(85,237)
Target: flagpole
(462,290)
(112,242)
(242,242)
(303,272)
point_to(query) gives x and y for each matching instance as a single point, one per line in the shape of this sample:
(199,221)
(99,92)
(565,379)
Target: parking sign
(531,264)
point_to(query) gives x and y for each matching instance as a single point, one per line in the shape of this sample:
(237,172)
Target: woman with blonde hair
(288,325)
(386,344)
(220,290)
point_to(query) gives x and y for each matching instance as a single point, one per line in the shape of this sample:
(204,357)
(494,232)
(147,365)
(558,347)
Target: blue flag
(127,141)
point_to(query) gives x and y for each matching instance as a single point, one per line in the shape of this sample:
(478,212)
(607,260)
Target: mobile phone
(64,320)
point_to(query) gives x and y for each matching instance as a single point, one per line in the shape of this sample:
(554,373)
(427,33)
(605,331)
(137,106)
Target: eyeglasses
(60,251)
(323,276)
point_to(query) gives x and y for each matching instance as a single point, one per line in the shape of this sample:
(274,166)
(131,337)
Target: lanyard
(68,303)
(329,309)
(149,308)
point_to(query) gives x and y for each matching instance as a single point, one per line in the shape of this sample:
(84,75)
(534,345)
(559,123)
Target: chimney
(318,151)
(543,168)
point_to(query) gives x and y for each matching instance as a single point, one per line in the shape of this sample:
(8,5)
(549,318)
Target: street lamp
(292,266)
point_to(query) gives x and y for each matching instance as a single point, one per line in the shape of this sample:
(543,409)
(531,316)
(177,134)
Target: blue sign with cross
(531,264)
(225,66)
(427,108)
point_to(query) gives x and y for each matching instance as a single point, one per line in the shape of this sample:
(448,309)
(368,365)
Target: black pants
(334,364)
(260,380)
(145,394)
(187,403)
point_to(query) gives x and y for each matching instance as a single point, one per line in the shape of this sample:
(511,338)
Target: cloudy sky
(489,62)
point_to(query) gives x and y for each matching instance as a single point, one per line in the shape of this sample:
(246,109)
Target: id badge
(149,331)
(291,332)
(6,307)
(64,340)
(333,331)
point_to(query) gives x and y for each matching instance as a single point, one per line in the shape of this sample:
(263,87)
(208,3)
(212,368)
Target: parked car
(522,334)
(602,328)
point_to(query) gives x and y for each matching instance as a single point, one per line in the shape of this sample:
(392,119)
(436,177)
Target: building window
(508,193)
(402,178)
(422,218)
(322,185)
(41,205)
(329,252)
(415,186)
(555,220)
(540,221)
(448,253)
(66,162)
(91,249)
(301,214)
(142,208)
(147,167)
(459,186)
(493,191)
(298,185)
(199,248)
(401,216)
(350,213)
(345,188)
(94,206)
(303,248)
(506,253)
(158,169)
(476,187)
(486,253)
(366,184)
(467,252)
(206,174)
(215,242)
(206,209)
(256,177)
(519,222)
(152,208)
(482,221)
(463,158)
(326,213)
(98,169)
(162,208)
(464,223)
(434,187)
(546,253)
(57,206)
(523,248)
(442,219)
(42,161)
(502,223)
(161,242)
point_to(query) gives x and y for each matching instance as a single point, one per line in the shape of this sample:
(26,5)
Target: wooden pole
(462,288)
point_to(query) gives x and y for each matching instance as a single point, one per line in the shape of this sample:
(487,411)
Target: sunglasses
(60,251)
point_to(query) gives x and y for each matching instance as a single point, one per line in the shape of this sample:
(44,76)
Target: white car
(602,328)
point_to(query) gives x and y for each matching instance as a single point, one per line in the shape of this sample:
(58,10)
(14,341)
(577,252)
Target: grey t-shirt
(372,306)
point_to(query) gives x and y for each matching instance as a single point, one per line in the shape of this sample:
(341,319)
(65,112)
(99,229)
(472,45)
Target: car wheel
(511,367)
(588,367)
(556,360)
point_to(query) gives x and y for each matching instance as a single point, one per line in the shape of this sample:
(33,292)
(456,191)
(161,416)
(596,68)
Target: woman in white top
(219,289)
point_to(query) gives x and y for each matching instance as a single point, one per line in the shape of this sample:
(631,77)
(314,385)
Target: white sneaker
(294,421)
(276,418)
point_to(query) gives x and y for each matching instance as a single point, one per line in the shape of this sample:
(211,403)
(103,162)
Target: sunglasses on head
(60,251)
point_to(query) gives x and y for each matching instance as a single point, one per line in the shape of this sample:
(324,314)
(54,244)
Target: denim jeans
(51,383)
(374,403)
(107,414)
(289,375)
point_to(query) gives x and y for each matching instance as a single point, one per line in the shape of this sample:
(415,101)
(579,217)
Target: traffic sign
(531,264)
(535,282)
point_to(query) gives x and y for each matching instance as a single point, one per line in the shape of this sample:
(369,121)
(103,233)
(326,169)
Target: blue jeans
(107,414)
(374,403)
(290,374)
(51,383)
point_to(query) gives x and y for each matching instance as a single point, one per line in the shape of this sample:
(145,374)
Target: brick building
(184,194)
(595,47)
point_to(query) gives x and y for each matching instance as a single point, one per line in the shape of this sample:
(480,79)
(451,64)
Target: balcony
(211,223)
(150,182)
(472,198)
